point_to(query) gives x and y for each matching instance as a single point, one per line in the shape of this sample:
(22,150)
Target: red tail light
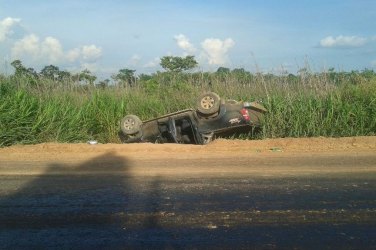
(245,114)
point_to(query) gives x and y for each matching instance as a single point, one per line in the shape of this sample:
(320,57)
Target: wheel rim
(129,124)
(207,102)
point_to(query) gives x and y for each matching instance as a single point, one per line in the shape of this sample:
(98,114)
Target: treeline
(177,71)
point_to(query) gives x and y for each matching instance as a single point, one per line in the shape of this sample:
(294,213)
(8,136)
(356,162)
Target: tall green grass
(304,106)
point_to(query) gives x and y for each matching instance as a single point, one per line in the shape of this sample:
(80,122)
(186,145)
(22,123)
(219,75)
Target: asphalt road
(298,202)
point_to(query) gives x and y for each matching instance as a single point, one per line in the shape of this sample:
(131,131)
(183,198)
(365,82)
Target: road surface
(316,193)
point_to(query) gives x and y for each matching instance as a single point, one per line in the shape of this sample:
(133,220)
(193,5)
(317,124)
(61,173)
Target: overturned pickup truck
(213,117)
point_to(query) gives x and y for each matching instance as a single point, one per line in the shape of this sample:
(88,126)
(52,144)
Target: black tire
(130,125)
(208,103)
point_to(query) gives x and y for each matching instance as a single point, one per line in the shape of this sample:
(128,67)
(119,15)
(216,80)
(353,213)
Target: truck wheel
(208,103)
(130,125)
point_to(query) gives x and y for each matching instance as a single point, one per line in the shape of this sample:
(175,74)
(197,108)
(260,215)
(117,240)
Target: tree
(64,74)
(240,71)
(125,76)
(223,70)
(178,64)
(18,67)
(54,73)
(103,84)
(87,76)
(22,71)
(51,72)
(144,77)
(241,75)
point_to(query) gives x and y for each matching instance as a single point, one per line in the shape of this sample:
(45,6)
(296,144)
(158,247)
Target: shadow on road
(99,204)
(90,205)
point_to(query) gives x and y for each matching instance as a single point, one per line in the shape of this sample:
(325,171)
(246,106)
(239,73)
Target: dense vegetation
(56,106)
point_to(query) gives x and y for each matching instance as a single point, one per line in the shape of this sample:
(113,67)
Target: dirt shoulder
(221,148)
(221,158)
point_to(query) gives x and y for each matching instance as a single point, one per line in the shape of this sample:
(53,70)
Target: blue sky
(258,35)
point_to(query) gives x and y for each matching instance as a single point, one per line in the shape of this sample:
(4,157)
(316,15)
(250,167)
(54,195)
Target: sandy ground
(224,151)
(218,147)
(309,193)
(271,156)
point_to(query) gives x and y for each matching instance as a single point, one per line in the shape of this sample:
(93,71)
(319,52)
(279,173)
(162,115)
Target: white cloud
(52,50)
(5,27)
(92,67)
(134,60)
(183,43)
(216,50)
(73,54)
(213,51)
(343,41)
(153,63)
(49,50)
(91,52)
(29,45)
